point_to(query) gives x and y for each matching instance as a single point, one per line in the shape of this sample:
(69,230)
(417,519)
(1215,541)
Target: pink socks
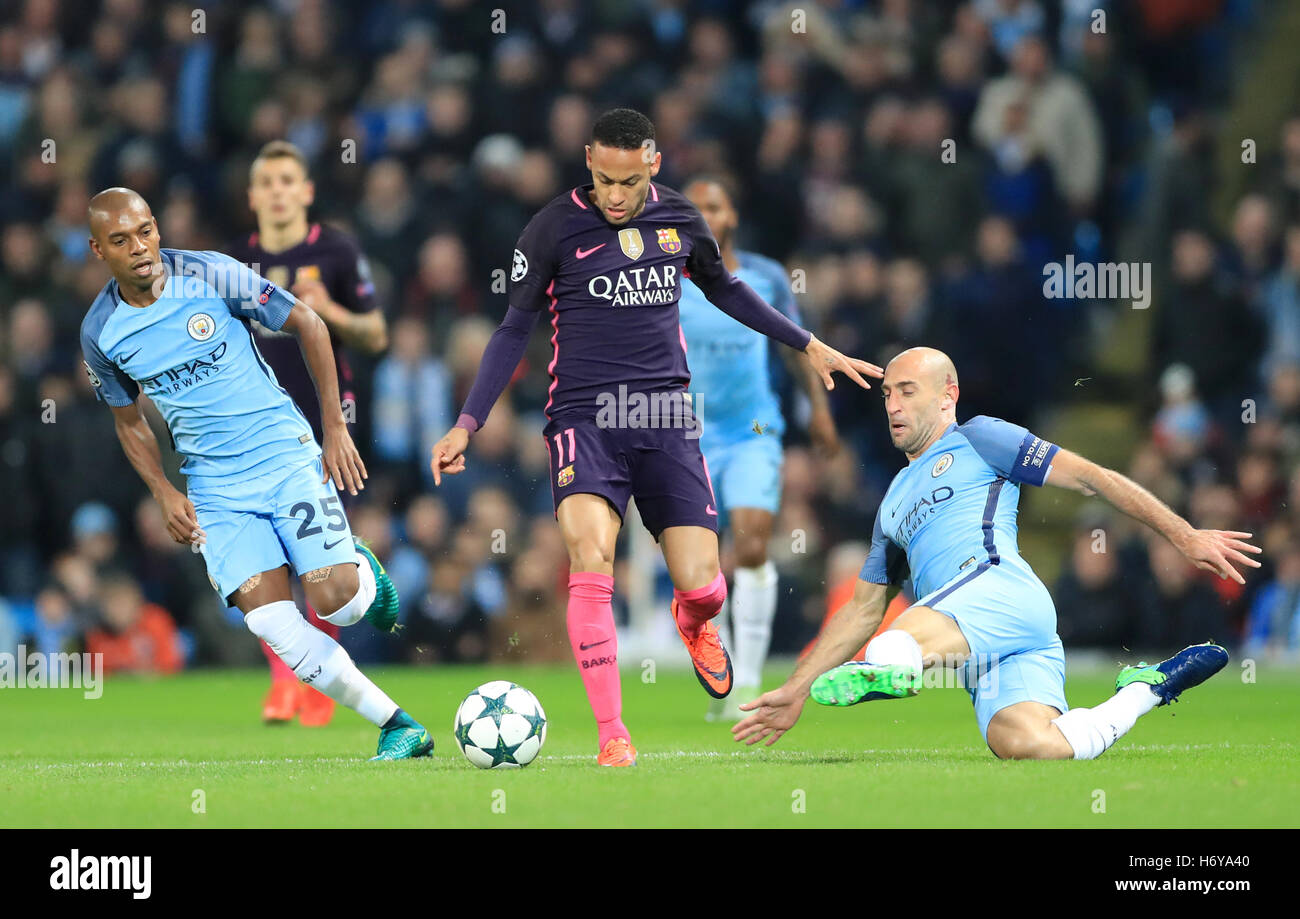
(696,607)
(595,648)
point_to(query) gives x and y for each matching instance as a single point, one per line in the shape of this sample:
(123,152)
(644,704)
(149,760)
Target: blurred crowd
(914,164)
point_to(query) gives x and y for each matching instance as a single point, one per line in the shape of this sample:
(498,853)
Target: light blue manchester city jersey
(191,352)
(952,510)
(729,360)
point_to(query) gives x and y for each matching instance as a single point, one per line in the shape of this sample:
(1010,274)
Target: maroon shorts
(662,468)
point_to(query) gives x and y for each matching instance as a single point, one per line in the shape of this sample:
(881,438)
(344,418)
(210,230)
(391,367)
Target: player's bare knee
(695,573)
(1023,743)
(591,555)
(329,589)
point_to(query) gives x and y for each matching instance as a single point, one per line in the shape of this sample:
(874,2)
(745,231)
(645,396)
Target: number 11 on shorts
(559,446)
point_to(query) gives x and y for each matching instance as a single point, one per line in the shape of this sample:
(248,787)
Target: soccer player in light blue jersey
(262,494)
(949,517)
(742,426)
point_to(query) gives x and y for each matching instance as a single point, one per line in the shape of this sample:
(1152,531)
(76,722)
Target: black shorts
(662,467)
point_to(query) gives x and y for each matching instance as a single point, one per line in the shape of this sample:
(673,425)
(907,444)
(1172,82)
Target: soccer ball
(500,726)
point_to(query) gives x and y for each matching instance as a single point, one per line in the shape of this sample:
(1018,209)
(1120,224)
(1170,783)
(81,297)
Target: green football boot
(856,681)
(1168,679)
(382,613)
(403,738)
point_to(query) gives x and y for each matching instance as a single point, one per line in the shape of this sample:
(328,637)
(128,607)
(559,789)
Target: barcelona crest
(669,241)
(565,477)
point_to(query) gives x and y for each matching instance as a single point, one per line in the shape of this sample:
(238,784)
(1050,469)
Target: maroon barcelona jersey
(611,293)
(327,255)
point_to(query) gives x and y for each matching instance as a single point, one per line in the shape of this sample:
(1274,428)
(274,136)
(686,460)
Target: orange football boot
(618,751)
(712,663)
(315,709)
(281,702)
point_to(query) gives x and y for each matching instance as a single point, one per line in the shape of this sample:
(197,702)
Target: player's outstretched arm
(505,349)
(1219,551)
(141,448)
(775,712)
(339,457)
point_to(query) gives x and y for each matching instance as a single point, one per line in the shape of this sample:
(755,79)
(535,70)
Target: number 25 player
(262,495)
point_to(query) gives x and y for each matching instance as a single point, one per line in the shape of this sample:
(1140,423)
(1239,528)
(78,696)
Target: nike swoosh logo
(708,509)
(331,545)
(582,254)
(588,647)
(123,360)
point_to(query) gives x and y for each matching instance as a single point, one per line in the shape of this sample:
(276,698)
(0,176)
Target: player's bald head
(113,204)
(921,392)
(923,365)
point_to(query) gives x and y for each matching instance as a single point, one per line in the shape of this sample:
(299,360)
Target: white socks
(753,607)
(1091,731)
(319,660)
(352,611)
(895,646)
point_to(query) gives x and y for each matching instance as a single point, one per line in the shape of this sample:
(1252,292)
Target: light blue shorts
(286,516)
(1009,621)
(745,473)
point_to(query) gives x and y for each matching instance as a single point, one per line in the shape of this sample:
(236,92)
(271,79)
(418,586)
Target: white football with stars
(500,726)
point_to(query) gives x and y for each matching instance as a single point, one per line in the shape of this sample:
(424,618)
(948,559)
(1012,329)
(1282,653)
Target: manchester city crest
(942,465)
(201,326)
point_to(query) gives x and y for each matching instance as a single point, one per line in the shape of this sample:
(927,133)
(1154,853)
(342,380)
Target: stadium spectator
(54,626)
(94,535)
(1177,602)
(1273,628)
(1279,302)
(1205,324)
(447,624)
(1096,606)
(527,632)
(412,402)
(134,636)
(20,561)
(175,578)
(1042,109)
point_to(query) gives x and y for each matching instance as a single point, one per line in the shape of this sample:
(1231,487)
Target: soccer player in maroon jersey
(606,261)
(324,268)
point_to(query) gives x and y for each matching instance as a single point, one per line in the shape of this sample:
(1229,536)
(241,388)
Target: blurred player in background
(324,268)
(948,521)
(607,261)
(262,492)
(743,426)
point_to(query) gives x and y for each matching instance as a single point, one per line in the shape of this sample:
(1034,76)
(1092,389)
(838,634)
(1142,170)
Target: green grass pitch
(1224,756)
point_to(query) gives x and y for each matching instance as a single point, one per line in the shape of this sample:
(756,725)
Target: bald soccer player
(949,518)
(262,495)
(323,267)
